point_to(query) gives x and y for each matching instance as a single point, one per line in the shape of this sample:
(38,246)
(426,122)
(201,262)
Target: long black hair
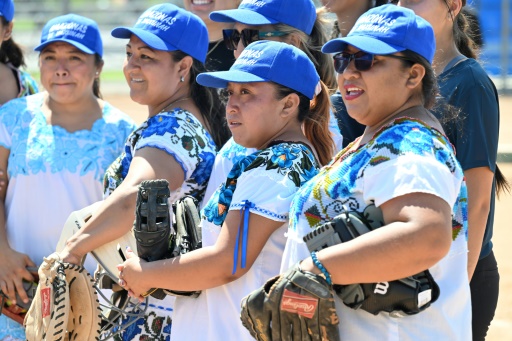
(208,101)
(10,51)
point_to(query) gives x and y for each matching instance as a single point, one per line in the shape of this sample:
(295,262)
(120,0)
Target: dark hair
(10,51)
(315,115)
(450,116)
(312,44)
(335,32)
(96,85)
(208,101)
(462,34)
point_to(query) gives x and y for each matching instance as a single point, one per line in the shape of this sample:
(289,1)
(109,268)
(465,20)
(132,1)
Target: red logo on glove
(299,304)
(45,301)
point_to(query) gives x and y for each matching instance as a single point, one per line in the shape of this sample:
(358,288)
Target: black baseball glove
(406,296)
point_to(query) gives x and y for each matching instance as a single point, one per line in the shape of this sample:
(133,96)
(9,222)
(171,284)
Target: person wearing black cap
(55,146)
(465,85)
(274,93)
(403,166)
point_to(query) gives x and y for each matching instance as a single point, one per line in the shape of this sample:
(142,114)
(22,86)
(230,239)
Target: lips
(352,92)
(201,2)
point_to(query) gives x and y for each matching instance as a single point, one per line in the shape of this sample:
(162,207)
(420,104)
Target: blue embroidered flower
(161,124)
(284,155)
(204,168)
(67,155)
(240,166)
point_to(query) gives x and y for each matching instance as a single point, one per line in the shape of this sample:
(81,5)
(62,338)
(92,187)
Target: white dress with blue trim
(405,157)
(180,134)
(263,183)
(52,173)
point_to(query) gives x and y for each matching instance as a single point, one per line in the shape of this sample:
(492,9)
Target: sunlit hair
(314,114)
(461,34)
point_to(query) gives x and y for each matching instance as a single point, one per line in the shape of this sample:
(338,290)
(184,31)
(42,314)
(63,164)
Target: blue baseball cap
(7,9)
(388,29)
(167,27)
(268,61)
(300,14)
(81,32)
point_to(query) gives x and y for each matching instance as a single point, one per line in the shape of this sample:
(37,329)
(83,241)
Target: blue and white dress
(232,152)
(181,135)
(52,173)
(262,183)
(402,158)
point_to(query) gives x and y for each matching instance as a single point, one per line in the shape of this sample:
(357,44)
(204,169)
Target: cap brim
(220,79)
(152,40)
(79,46)
(363,43)
(242,16)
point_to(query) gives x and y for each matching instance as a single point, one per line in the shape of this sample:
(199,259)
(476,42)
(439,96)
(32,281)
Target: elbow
(437,244)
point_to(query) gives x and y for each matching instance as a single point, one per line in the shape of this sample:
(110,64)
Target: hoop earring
(182,79)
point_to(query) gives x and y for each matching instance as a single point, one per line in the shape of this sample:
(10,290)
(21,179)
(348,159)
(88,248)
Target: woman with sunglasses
(465,85)
(293,22)
(274,93)
(165,50)
(405,167)
(218,57)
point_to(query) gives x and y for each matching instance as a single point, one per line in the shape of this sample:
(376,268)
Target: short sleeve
(410,174)
(180,135)
(476,137)
(270,193)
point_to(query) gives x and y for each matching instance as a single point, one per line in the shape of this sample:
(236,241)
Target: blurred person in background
(218,58)
(464,84)
(14,83)
(55,146)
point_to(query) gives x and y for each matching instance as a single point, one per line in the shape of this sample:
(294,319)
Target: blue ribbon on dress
(246,205)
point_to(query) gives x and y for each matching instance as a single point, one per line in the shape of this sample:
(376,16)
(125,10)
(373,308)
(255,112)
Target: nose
(61,69)
(232,104)
(239,49)
(350,71)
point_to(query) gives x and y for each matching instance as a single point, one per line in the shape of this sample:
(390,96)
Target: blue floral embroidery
(38,147)
(292,160)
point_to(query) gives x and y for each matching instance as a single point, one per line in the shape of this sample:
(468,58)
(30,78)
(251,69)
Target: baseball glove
(406,296)
(152,228)
(18,311)
(296,305)
(65,305)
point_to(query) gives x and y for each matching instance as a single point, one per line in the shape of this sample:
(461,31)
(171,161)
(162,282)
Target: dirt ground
(501,327)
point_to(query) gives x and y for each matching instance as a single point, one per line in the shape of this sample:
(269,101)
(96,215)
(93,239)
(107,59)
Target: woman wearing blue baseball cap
(464,84)
(274,90)
(402,167)
(165,50)
(14,83)
(55,146)
(293,22)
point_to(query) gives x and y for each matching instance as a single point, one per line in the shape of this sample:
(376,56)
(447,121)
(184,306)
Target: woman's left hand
(131,275)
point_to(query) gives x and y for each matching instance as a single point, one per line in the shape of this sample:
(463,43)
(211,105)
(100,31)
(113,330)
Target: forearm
(477,221)
(389,253)
(113,219)
(198,270)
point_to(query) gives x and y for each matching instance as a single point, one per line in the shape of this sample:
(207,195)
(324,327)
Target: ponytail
(462,36)
(10,51)
(316,126)
(315,115)
(96,85)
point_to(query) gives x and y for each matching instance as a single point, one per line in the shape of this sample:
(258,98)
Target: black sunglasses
(232,37)
(363,61)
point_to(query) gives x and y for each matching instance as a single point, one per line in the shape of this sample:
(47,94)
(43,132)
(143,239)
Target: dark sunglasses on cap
(232,37)
(363,61)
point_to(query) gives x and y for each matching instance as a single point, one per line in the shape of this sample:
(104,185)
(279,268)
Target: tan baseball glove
(65,305)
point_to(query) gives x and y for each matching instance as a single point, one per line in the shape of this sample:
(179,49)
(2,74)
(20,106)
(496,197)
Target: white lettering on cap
(156,19)
(70,29)
(249,57)
(374,23)
(257,3)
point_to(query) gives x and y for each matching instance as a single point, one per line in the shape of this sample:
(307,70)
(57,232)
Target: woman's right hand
(67,256)
(13,271)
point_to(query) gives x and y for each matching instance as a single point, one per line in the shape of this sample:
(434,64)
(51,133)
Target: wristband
(321,267)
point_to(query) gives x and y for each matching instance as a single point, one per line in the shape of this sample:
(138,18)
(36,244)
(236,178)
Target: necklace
(214,47)
(174,102)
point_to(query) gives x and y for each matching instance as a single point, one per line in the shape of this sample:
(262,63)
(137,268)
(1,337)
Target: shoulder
(465,76)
